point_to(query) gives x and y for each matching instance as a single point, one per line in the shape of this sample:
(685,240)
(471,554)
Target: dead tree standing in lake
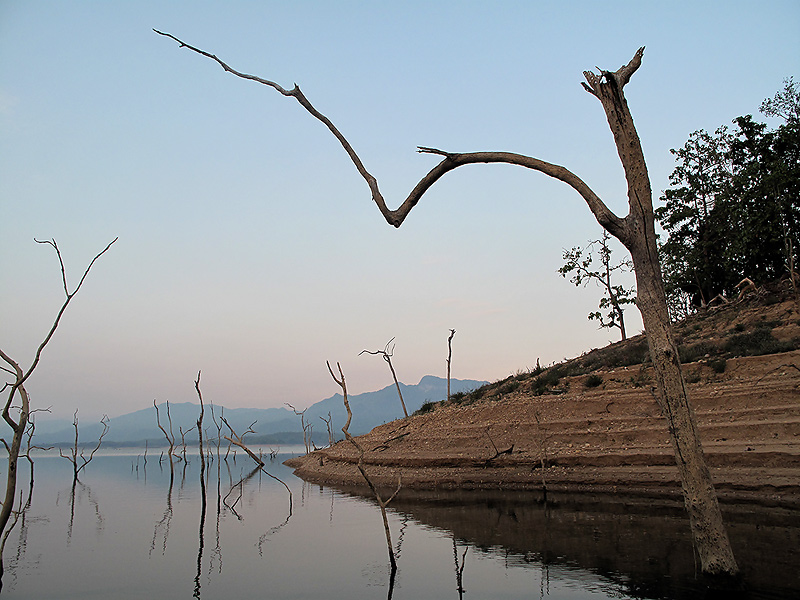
(203,498)
(636,231)
(76,456)
(16,388)
(381,502)
(170,436)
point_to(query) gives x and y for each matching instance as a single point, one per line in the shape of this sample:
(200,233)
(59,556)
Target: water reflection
(203,503)
(640,546)
(162,527)
(80,491)
(460,564)
(447,545)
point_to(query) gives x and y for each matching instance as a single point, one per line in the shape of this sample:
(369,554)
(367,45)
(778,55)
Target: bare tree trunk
(449,357)
(331,440)
(637,232)
(238,440)
(13,455)
(203,497)
(381,502)
(74,455)
(700,498)
(387,354)
(170,436)
(305,426)
(20,376)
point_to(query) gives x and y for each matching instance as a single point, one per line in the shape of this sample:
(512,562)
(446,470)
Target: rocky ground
(592,424)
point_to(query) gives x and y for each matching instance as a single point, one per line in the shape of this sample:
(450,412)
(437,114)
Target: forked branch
(17,387)
(238,440)
(22,376)
(387,354)
(452,160)
(78,458)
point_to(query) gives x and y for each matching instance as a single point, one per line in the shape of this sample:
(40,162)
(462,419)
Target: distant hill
(272,425)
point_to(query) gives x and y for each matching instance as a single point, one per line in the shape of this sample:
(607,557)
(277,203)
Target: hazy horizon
(249,248)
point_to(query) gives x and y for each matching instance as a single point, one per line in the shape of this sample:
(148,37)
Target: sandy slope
(609,438)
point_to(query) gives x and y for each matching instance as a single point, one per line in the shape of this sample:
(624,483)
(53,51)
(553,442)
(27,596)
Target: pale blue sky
(249,246)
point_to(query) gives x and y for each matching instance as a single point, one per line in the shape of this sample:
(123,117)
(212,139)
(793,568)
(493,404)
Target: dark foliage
(755,343)
(733,208)
(426,407)
(593,380)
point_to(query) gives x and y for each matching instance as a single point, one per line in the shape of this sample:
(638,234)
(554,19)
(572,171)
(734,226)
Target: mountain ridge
(272,425)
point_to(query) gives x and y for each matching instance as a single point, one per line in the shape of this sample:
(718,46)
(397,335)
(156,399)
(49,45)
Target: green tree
(785,104)
(765,198)
(733,208)
(580,263)
(700,182)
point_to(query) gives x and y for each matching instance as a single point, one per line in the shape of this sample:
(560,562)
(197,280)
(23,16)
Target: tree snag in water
(16,387)
(76,456)
(238,440)
(636,231)
(381,502)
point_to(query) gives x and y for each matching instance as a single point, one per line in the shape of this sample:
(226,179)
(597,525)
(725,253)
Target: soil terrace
(609,438)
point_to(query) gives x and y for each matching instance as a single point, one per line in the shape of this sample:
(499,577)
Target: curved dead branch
(452,160)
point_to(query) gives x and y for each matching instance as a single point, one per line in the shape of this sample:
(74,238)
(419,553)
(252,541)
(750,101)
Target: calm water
(127,532)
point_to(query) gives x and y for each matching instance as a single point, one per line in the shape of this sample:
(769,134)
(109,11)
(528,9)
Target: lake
(130,530)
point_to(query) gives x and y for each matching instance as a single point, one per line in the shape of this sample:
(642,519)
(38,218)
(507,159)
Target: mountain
(272,425)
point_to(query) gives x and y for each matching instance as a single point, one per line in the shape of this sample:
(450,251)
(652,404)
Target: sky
(249,247)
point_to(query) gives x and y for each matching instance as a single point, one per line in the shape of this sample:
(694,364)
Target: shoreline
(610,439)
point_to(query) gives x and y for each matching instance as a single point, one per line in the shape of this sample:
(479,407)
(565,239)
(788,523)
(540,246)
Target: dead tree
(77,456)
(307,427)
(16,387)
(460,564)
(218,425)
(497,452)
(170,436)
(387,354)
(543,437)
(381,502)
(31,446)
(449,357)
(331,440)
(238,440)
(203,497)
(636,231)
(19,513)
(183,440)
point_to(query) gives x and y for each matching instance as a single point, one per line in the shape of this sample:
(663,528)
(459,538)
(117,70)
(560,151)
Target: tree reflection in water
(166,519)
(599,546)
(460,564)
(79,491)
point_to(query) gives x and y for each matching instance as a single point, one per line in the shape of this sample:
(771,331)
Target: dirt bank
(601,431)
